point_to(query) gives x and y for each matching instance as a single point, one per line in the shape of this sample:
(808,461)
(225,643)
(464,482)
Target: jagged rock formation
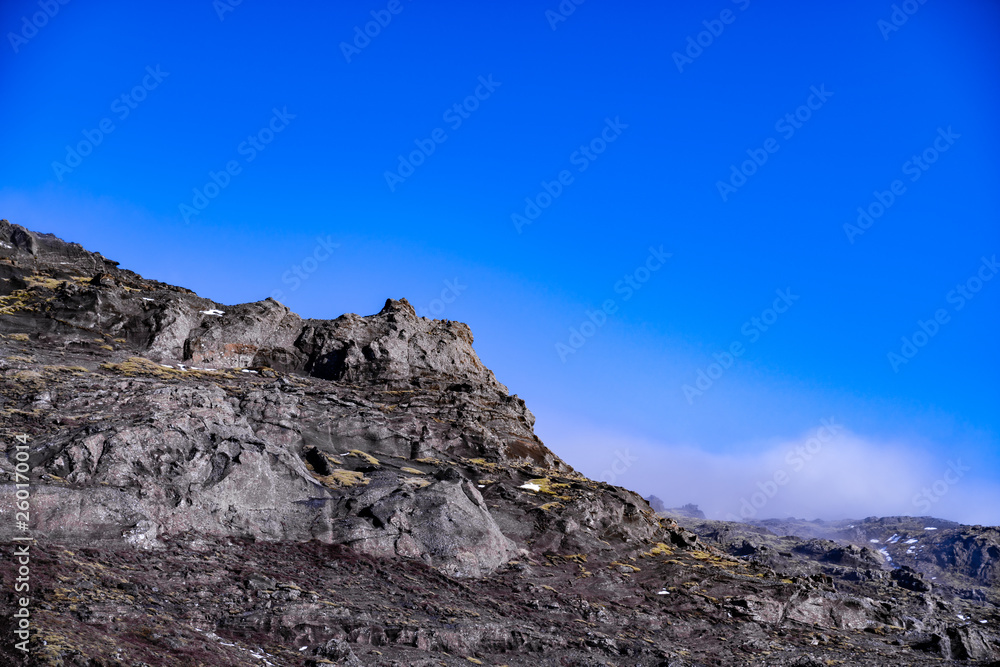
(196,457)
(221,485)
(877,555)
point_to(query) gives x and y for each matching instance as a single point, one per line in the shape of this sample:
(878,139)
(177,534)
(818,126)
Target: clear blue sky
(635,129)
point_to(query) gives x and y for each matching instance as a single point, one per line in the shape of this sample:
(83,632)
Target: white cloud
(847,476)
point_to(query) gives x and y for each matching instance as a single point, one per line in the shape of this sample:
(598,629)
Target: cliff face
(248,421)
(217,485)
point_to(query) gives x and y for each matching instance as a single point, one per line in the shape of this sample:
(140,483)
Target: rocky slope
(943,555)
(230,485)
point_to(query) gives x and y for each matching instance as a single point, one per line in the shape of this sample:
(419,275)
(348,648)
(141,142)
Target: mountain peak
(400,306)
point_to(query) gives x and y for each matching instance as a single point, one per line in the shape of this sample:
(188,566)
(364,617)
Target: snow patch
(930,528)
(530,487)
(212,312)
(912,540)
(873,541)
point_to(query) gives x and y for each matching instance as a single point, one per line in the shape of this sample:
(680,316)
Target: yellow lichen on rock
(568,558)
(364,456)
(627,566)
(546,485)
(416,482)
(43,281)
(659,549)
(140,366)
(16,301)
(430,460)
(340,477)
(20,358)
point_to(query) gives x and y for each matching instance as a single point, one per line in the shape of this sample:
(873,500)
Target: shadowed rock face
(221,485)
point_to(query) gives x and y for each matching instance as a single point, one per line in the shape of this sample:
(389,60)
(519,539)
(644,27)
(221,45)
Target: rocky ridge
(217,485)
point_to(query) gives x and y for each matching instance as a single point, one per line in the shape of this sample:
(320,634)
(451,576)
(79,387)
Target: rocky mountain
(234,485)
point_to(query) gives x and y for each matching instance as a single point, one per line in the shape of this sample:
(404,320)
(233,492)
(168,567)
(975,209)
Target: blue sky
(527,168)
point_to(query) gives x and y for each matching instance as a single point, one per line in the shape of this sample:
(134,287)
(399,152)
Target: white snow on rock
(873,541)
(912,540)
(893,539)
(930,528)
(885,554)
(530,487)
(212,312)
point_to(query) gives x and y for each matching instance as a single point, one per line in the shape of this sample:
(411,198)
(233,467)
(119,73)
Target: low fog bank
(828,473)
